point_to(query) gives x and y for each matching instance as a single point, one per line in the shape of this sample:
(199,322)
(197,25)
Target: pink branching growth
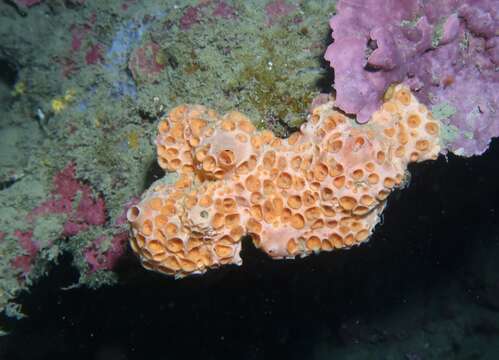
(30,248)
(98,260)
(74,199)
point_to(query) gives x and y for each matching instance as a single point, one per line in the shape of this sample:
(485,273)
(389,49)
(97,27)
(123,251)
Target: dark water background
(434,236)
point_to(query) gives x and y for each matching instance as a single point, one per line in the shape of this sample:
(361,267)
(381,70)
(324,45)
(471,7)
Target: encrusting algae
(322,188)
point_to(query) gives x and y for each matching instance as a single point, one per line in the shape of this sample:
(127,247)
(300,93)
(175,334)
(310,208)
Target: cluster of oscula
(323,188)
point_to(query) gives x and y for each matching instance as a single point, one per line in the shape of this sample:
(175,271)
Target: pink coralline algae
(224,10)
(191,16)
(126,4)
(89,210)
(277,9)
(105,260)
(78,33)
(27,3)
(206,10)
(82,47)
(446,51)
(30,248)
(94,54)
(98,259)
(146,62)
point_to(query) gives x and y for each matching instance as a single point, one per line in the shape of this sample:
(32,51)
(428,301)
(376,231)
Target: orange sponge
(323,188)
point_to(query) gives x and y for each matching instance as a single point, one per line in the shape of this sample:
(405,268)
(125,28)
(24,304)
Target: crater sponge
(322,188)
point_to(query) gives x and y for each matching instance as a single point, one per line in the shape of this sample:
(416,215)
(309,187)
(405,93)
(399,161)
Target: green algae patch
(448,134)
(281,89)
(443,111)
(269,72)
